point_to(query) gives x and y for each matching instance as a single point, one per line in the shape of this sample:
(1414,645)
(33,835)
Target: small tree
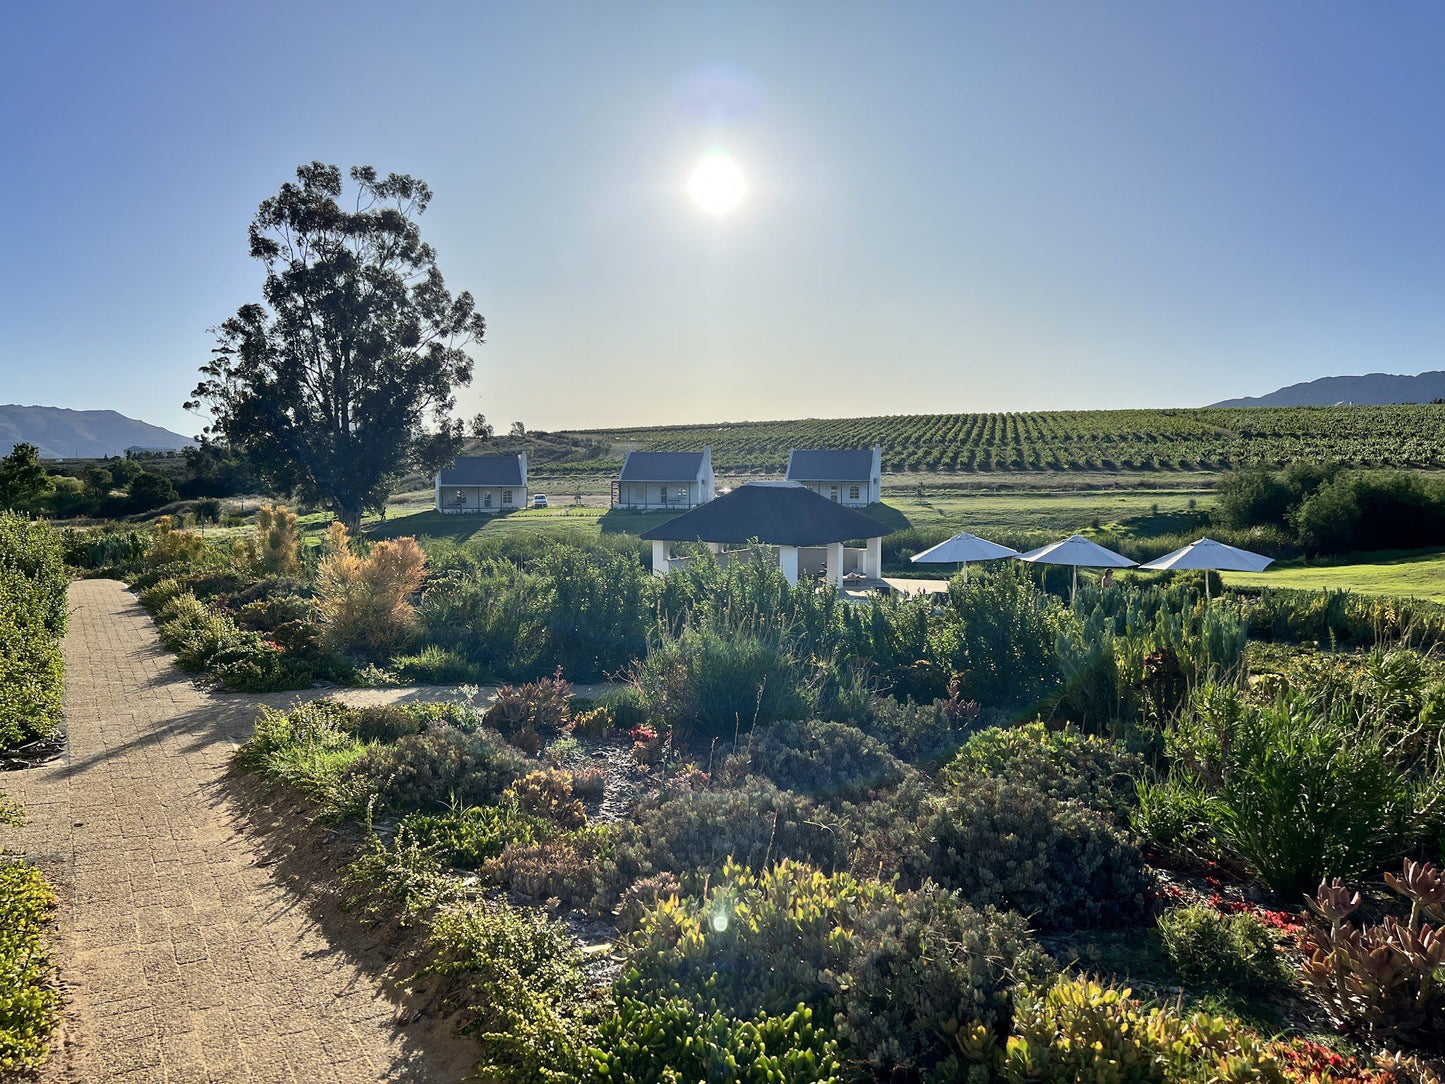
(98,481)
(481,428)
(325,385)
(22,479)
(151,490)
(518,429)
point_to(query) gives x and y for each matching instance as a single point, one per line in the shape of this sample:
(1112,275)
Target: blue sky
(961,206)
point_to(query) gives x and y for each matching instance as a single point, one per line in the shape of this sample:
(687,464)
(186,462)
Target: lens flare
(717,184)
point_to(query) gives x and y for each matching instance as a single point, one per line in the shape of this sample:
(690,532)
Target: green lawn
(586,521)
(1400,573)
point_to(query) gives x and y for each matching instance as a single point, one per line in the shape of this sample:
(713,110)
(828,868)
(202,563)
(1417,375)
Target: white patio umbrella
(1078,551)
(961,549)
(1209,554)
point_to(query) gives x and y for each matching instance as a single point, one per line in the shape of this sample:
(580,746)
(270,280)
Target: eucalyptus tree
(343,377)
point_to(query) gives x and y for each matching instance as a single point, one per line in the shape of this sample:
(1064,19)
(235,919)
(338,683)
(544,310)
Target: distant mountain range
(1370,389)
(80,434)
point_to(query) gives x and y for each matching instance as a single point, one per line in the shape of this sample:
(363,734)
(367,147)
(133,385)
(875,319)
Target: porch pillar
(873,566)
(835,563)
(788,562)
(660,560)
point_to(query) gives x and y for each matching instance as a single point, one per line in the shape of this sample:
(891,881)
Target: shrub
(517,979)
(1383,978)
(755,824)
(999,636)
(170,546)
(1079,1030)
(826,760)
(402,879)
(382,722)
(917,733)
(1231,952)
(438,767)
(435,665)
(29,1002)
(33,583)
(1062,763)
(762,942)
(927,970)
(703,684)
(670,1041)
(366,602)
(467,838)
(278,541)
(1058,862)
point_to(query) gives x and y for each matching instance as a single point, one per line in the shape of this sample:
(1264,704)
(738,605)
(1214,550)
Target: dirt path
(185,955)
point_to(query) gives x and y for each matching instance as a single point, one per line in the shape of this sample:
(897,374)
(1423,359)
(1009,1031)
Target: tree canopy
(328,384)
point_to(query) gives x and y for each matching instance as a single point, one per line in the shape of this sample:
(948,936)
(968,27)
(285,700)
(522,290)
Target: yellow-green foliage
(1081,1032)
(278,540)
(366,602)
(32,619)
(170,546)
(29,1005)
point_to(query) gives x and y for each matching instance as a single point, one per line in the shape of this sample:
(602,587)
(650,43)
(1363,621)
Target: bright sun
(717,185)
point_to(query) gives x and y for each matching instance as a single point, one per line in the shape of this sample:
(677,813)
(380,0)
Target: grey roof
(830,464)
(484,470)
(778,513)
(661,466)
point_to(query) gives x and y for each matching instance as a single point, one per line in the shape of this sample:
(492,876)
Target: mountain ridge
(1370,389)
(63,433)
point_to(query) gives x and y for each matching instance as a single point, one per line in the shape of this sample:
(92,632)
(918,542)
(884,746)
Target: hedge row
(33,579)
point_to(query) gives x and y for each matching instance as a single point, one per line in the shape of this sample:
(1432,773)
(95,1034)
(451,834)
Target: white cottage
(664,480)
(849,476)
(487,484)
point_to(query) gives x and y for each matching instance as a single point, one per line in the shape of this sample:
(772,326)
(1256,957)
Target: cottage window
(506,496)
(833,493)
(461,496)
(487,498)
(852,493)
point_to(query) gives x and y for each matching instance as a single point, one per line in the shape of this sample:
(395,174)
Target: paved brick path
(184,955)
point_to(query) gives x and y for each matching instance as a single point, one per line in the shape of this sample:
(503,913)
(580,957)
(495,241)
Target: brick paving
(183,954)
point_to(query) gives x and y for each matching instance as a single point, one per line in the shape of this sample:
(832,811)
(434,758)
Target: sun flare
(717,184)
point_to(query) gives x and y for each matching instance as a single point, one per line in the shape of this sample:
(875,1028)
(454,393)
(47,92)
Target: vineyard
(1104,440)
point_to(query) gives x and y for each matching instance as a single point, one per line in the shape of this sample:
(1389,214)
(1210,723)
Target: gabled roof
(777,513)
(485,470)
(830,464)
(662,466)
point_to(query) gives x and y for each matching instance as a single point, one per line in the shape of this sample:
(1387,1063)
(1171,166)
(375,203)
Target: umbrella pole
(963,567)
(1074,590)
(1206,586)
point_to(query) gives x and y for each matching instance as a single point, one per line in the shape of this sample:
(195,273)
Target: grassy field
(1402,574)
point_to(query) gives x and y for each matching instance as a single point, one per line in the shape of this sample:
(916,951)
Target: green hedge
(32,620)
